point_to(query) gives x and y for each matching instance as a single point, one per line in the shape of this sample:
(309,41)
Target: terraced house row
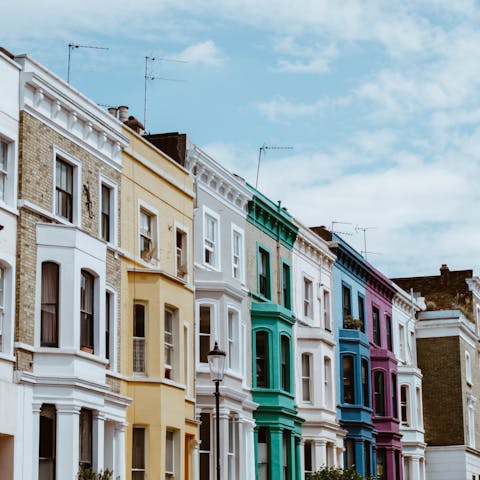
(124,258)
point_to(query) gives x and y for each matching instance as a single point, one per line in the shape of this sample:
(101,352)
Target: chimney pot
(123,113)
(113,111)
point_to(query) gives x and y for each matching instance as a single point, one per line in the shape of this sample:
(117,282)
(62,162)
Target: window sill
(7,357)
(9,208)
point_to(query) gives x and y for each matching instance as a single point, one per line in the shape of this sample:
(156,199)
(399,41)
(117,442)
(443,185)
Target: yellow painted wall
(158,404)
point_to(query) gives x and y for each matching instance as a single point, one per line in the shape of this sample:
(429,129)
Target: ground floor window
(381,465)
(205,446)
(263,453)
(308,458)
(47,443)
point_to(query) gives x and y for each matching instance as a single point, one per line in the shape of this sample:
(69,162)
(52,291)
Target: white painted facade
(220,289)
(9,118)
(404,310)
(67,378)
(315,364)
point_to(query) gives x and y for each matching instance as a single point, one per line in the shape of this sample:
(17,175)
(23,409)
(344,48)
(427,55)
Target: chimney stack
(113,111)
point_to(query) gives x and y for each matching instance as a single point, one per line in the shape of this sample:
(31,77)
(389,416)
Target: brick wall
(441,364)
(36,177)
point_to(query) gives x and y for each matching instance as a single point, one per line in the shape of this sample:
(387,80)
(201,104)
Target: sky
(379,100)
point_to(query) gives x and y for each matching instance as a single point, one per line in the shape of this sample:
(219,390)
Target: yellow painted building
(157,322)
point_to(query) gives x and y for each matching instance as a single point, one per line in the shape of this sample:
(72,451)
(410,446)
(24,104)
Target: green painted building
(270,238)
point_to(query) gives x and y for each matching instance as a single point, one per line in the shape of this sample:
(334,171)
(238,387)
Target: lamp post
(216,362)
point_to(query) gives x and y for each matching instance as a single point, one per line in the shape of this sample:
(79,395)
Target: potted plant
(352,323)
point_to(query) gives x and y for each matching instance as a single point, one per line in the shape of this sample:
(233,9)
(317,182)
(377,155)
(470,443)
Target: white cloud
(204,53)
(280,107)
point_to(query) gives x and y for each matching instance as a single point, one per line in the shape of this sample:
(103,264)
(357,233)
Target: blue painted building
(354,407)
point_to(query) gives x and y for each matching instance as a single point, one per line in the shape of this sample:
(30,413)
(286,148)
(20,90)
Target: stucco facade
(9,119)
(157,311)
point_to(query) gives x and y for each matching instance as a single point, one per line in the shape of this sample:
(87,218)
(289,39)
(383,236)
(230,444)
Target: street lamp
(216,363)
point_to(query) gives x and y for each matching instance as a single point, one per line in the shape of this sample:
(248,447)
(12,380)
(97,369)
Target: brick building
(447,350)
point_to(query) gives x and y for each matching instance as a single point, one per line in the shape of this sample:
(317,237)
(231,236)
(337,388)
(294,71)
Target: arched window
(285,363)
(348,379)
(379,383)
(87,283)
(49,305)
(261,359)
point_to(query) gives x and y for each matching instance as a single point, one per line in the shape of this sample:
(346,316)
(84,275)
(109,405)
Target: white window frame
(468,368)
(233,339)
(113,326)
(173,366)
(239,264)
(327,309)
(145,328)
(401,343)
(182,269)
(153,214)
(471,422)
(305,378)
(327,381)
(3,308)
(213,328)
(216,249)
(232,448)
(186,358)
(170,474)
(307,294)
(113,209)
(4,173)
(408,422)
(76,184)
(419,412)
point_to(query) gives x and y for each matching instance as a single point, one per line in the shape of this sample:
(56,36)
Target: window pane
(365,386)
(138,449)
(169,453)
(261,345)
(205,446)
(379,394)
(86,309)
(49,304)
(263,453)
(138,338)
(285,365)
(105,233)
(47,443)
(85,438)
(305,377)
(204,327)
(376,326)
(348,380)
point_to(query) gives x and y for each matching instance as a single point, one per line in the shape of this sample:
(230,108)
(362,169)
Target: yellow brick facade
(154,183)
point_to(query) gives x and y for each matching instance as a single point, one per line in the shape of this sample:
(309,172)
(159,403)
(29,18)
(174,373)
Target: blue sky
(379,100)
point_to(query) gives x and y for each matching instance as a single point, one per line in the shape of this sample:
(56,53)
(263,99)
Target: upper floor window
(346,302)
(237,254)
(49,305)
(285,363)
(109,330)
(401,342)
(327,381)
(85,439)
(261,359)
(405,405)
(468,368)
(365,383)
(376,326)
(138,453)
(307,298)
(394,396)
(181,262)
(64,187)
(263,272)
(327,321)
(107,210)
(139,338)
(210,241)
(286,286)
(87,293)
(418,400)
(169,342)
(233,339)
(361,311)
(348,379)
(2,304)
(205,330)
(379,393)
(388,322)
(147,236)
(306,377)
(3,168)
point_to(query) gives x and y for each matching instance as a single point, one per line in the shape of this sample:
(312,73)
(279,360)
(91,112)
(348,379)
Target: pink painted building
(384,381)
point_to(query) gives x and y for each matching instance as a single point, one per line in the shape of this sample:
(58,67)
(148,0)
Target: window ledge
(8,208)
(7,357)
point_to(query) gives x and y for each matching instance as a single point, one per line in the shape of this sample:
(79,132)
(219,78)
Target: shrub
(332,473)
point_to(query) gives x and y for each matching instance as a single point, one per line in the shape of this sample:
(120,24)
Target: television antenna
(73,46)
(148,76)
(365,252)
(262,151)
(332,228)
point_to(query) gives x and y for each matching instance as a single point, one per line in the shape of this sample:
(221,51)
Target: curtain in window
(49,305)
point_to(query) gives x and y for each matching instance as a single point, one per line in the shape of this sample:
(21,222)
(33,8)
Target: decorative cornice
(214,178)
(60,106)
(272,219)
(313,247)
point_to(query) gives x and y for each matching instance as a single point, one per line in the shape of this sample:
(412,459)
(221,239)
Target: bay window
(49,305)
(87,284)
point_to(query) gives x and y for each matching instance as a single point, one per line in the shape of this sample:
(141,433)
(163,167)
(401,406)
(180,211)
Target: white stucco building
(223,316)
(9,118)
(71,414)
(315,364)
(404,310)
